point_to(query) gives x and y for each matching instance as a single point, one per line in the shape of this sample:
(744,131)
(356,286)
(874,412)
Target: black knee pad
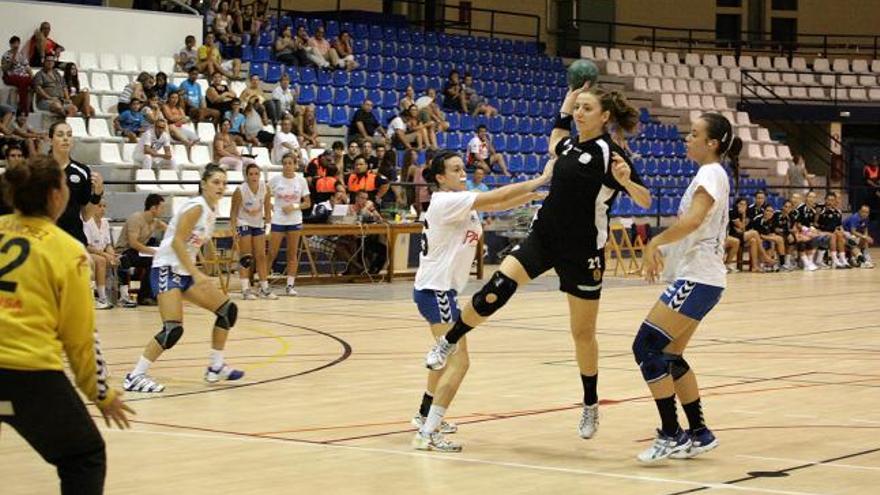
(501,287)
(227,315)
(170,334)
(648,351)
(678,367)
(246,261)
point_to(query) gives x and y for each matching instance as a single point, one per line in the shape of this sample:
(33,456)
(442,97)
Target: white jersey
(287,192)
(98,236)
(449,241)
(150,140)
(278,146)
(202,232)
(699,257)
(250,214)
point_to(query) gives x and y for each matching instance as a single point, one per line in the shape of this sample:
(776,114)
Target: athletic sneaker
(701,442)
(248,295)
(589,422)
(820,264)
(664,446)
(290,291)
(434,441)
(267,294)
(141,383)
(224,373)
(102,304)
(868,264)
(436,358)
(127,303)
(444,428)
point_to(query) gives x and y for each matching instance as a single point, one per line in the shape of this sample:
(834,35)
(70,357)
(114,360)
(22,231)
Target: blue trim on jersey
(692,299)
(246,230)
(286,228)
(163,279)
(437,306)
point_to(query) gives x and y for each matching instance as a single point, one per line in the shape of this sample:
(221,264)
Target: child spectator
(131,122)
(236,121)
(188,56)
(78,96)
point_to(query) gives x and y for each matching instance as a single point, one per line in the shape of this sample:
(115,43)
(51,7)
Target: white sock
(820,256)
(216,359)
(435,417)
(867,255)
(123,291)
(264,284)
(806,259)
(788,259)
(843,258)
(142,366)
(245,284)
(290,281)
(102,293)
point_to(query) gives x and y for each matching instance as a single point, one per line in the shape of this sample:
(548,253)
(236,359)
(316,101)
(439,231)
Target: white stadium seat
(109,62)
(145,175)
(170,175)
(88,61)
(129,63)
(149,63)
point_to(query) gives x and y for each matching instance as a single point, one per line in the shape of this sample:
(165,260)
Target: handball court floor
(789,366)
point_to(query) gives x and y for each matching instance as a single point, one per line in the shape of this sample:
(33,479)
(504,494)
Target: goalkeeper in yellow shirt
(46,307)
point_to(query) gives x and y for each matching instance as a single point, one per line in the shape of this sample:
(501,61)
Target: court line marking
(471,460)
(814,463)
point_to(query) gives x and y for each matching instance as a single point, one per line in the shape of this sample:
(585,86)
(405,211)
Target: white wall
(99,29)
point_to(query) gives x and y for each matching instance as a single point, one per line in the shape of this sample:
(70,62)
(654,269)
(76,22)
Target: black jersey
(805,215)
(829,219)
(782,223)
(754,211)
(577,210)
(735,215)
(764,226)
(79,181)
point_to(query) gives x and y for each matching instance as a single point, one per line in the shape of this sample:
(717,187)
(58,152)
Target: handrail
(185,7)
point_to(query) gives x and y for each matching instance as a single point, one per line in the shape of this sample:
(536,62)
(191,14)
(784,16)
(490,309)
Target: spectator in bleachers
(303,50)
(79,96)
(223,26)
(327,185)
(254,95)
(236,122)
(475,183)
(829,222)
(365,180)
(402,136)
(797,176)
(756,209)
(100,249)
(134,89)
(319,52)
(219,95)
(285,142)
(381,154)
(137,245)
(226,153)
(354,151)
(414,123)
(154,147)
(453,95)
(481,153)
(343,52)
(42,46)
(370,154)
(255,125)
(284,102)
(434,113)
(34,139)
(152,109)
(163,88)
(51,92)
(289,50)
(858,236)
(188,57)
(250,23)
(740,228)
(174,111)
(130,123)
(210,61)
(14,156)
(765,225)
(309,129)
(421,192)
(320,167)
(408,99)
(17,74)
(476,104)
(364,124)
(197,107)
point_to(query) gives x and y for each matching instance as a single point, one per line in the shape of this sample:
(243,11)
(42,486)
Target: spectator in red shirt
(41,45)
(17,74)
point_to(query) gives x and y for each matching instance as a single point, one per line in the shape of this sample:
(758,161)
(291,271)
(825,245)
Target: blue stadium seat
(550,109)
(359,46)
(375,95)
(325,78)
(389,33)
(454,120)
(521,108)
(389,49)
(374,48)
(490,89)
(536,108)
(496,124)
(403,50)
(516,90)
(680,149)
(644,115)
(361,31)
(404,35)
(527,144)
(389,99)
(322,114)
(432,52)
(507,108)
(314,24)
(375,32)
(488,72)
(516,164)
(500,143)
(332,29)
(389,65)
(341,96)
(357,78)
(258,70)
(666,206)
(453,142)
(503,90)
(325,95)
(511,124)
(292,73)
(402,82)
(341,78)
(541,144)
(339,117)
(540,126)
(273,73)
(247,53)
(261,54)
(372,81)
(388,82)
(307,75)
(467,123)
(420,84)
(650,166)
(435,83)
(530,91)
(265,39)
(418,68)
(441,140)
(663,167)
(357,97)
(513,144)
(533,165)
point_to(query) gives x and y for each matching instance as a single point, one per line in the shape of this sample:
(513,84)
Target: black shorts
(580,271)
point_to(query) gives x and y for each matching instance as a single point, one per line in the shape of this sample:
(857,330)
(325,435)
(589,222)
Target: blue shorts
(286,228)
(163,280)
(247,230)
(692,299)
(437,306)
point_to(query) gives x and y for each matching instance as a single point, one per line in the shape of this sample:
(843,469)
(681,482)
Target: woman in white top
(290,193)
(692,250)
(251,210)
(284,98)
(100,248)
(176,278)
(449,243)
(154,147)
(285,142)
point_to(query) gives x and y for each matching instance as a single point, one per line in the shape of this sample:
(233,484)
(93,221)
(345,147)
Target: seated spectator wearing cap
(42,46)
(367,181)
(154,147)
(137,245)
(209,60)
(51,92)
(188,57)
(364,124)
(196,105)
(858,237)
(79,96)
(17,74)
(130,123)
(342,52)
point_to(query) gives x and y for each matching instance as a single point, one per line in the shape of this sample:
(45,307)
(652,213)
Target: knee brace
(678,367)
(648,350)
(495,294)
(169,335)
(227,314)
(246,261)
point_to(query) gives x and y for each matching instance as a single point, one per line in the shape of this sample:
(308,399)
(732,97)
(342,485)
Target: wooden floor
(789,365)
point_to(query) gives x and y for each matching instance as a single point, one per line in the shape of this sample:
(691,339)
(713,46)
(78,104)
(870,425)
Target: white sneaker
(821,265)
(267,294)
(127,303)
(102,304)
(810,267)
(664,446)
(224,373)
(436,357)
(868,264)
(435,441)
(248,295)
(444,428)
(290,291)
(141,383)
(589,422)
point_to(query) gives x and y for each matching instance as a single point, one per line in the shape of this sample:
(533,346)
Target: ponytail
(729,146)
(623,115)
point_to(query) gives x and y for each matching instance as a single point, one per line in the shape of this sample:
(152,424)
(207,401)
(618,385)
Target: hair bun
(429,175)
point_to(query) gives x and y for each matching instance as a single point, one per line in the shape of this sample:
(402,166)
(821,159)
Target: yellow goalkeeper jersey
(46,305)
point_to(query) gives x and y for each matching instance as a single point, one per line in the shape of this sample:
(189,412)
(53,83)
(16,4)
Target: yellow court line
(284,351)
